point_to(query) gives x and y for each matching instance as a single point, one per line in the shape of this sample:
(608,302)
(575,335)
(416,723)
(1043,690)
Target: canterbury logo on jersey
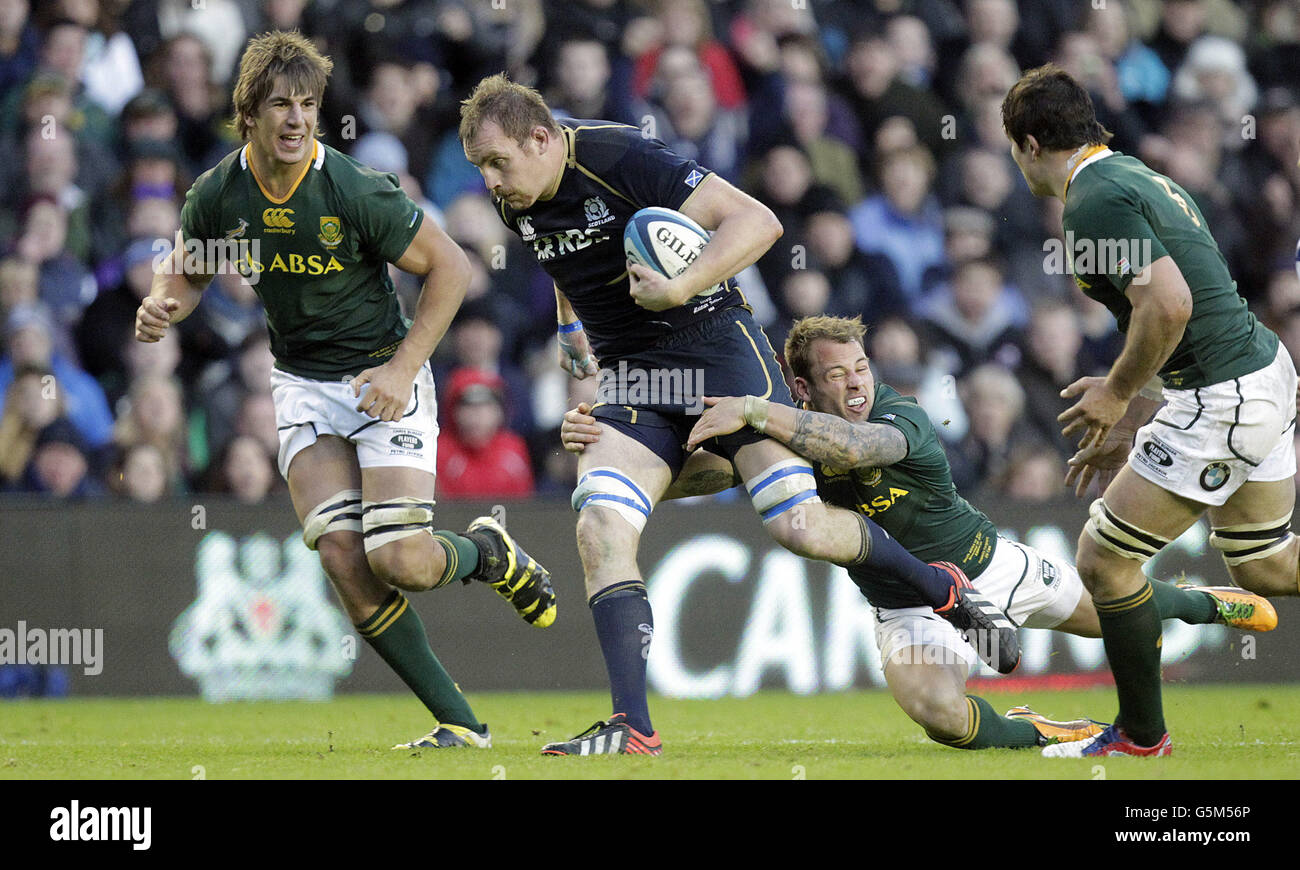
(278,219)
(294,264)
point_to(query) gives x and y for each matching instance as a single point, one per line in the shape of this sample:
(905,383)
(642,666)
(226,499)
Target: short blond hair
(515,108)
(274,54)
(798,344)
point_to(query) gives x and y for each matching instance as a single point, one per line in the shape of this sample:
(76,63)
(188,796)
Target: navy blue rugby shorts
(656,396)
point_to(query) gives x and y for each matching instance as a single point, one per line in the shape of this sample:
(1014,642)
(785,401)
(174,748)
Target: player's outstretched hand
(153,317)
(1095,414)
(1098,462)
(724,416)
(649,289)
(387,392)
(575,355)
(579,428)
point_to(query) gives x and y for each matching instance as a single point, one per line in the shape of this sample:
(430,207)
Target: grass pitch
(1228,732)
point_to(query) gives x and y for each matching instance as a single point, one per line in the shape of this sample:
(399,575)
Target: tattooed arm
(821,437)
(835,441)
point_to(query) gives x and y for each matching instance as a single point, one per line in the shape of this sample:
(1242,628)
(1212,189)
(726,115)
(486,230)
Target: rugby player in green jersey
(314,232)
(876,452)
(1221,443)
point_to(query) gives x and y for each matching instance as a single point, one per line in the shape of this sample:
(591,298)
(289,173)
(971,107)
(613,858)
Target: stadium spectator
(691,122)
(392,103)
(31,403)
(973,318)
(994,402)
(61,464)
(243,470)
(29,340)
(686,24)
(896,350)
(19,45)
(217,26)
(1215,71)
(18,284)
(154,413)
(1049,363)
(183,69)
(834,164)
(477,341)
(861,283)
(109,321)
(224,385)
(140,474)
(876,92)
(909,37)
(582,86)
(903,222)
(110,69)
(1032,474)
(1141,76)
(477,456)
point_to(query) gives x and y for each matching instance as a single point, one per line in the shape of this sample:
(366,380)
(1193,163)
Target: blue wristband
(566,328)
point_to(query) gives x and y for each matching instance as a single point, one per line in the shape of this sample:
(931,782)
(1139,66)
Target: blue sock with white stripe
(624,625)
(887,556)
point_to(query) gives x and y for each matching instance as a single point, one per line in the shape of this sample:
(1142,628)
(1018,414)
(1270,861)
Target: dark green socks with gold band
(1130,630)
(397,633)
(986,729)
(461,557)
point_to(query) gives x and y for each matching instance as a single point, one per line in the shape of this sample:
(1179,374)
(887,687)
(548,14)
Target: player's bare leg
(1133,522)
(620,482)
(325,483)
(784,492)
(931,691)
(1260,513)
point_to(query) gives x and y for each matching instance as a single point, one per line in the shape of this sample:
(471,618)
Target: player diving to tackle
(878,453)
(314,232)
(1222,442)
(568,191)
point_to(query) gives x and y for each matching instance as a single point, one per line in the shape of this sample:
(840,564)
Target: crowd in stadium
(871,128)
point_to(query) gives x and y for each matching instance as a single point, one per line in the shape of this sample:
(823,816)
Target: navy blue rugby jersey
(610,172)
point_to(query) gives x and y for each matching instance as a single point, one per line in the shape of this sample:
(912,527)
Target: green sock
(397,634)
(988,730)
(1189,605)
(1130,630)
(462,557)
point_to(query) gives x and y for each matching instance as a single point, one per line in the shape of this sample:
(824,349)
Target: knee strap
(1124,539)
(339,512)
(610,488)
(393,519)
(780,487)
(1249,541)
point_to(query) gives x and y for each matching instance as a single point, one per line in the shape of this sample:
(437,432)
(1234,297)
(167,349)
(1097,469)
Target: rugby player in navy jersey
(568,190)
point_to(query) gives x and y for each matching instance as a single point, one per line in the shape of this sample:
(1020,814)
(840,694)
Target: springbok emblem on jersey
(331,231)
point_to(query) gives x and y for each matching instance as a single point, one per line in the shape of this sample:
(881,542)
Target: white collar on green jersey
(316,164)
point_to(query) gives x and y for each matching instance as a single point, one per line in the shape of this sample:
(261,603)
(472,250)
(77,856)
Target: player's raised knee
(399,544)
(785,496)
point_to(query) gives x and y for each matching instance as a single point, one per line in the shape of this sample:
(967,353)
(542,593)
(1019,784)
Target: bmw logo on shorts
(1214,476)
(406,441)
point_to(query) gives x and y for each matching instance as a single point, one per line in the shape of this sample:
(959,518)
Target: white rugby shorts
(306,409)
(1206,442)
(1034,591)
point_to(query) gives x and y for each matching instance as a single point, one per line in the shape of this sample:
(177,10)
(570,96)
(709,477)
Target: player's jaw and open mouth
(289,146)
(856,407)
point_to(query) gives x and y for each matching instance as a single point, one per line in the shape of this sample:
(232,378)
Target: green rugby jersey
(913,499)
(1121,216)
(318,257)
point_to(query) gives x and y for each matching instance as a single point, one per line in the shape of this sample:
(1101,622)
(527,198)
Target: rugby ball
(666,241)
